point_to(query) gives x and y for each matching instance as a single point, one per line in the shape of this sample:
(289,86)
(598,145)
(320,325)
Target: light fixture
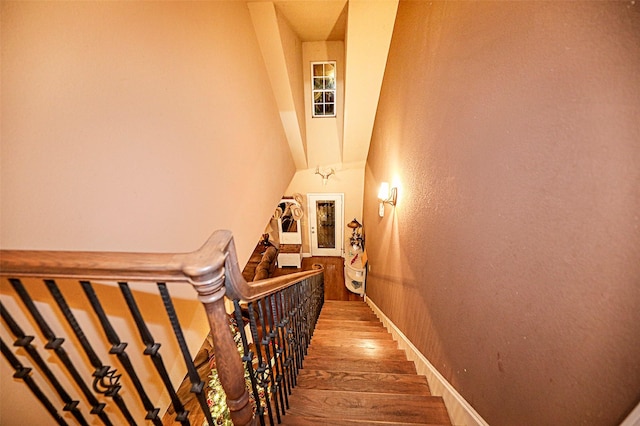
(325,176)
(386,196)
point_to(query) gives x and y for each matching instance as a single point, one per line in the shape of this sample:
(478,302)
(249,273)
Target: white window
(323,88)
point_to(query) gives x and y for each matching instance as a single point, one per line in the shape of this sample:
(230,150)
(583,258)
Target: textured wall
(512,260)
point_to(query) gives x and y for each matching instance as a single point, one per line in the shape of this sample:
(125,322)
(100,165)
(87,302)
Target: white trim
(334,90)
(633,419)
(460,411)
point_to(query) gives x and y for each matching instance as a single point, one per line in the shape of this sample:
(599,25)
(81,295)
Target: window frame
(328,94)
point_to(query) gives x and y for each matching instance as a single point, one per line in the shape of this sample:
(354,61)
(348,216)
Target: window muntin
(323,84)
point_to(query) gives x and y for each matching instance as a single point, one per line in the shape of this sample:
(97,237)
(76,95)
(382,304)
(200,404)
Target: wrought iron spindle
(55,343)
(302,337)
(24,341)
(118,349)
(262,373)
(291,334)
(105,381)
(151,350)
(266,345)
(278,318)
(23,373)
(275,365)
(286,349)
(197,385)
(247,358)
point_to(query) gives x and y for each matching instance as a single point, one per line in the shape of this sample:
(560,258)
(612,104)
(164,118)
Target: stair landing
(355,375)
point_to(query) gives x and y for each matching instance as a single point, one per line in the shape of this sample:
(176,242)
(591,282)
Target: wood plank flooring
(334,288)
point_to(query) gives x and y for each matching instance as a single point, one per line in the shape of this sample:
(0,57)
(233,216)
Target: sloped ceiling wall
(355,33)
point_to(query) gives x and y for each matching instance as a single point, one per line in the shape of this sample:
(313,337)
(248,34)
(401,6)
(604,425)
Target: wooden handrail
(201,268)
(213,271)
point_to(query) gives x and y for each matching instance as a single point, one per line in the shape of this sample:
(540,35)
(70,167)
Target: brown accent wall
(512,260)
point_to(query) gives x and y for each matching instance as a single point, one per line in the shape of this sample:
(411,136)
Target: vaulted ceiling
(365,28)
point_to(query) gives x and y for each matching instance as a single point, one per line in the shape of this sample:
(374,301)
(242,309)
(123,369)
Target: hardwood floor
(334,288)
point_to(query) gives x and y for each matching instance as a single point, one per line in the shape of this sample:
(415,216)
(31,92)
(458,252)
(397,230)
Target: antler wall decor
(325,177)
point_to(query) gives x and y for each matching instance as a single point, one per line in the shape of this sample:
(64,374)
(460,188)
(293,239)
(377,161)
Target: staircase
(354,375)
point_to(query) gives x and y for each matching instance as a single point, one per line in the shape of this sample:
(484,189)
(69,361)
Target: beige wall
(348,180)
(324,134)
(135,139)
(511,259)
(133,126)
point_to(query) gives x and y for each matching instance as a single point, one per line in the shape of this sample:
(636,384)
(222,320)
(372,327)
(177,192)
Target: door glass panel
(326,224)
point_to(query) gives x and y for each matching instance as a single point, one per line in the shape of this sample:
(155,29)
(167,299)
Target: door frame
(311,203)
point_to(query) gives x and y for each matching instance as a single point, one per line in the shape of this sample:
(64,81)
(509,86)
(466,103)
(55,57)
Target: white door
(326,224)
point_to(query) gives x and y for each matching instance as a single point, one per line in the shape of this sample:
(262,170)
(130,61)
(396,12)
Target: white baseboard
(633,419)
(460,411)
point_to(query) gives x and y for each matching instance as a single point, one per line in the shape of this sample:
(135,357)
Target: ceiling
(365,28)
(315,20)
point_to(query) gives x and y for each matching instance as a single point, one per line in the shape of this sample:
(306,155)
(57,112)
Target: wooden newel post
(211,293)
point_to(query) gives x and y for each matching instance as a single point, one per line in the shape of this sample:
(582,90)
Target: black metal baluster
(295,332)
(284,324)
(118,349)
(290,335)
(105,381)
(288,302)
(248,358)
(266,343)
(261,373)
(151,350)
(280,348)
(24,341)
(23,373)
(274,347)
(302,343)
(197,385)
(55,343)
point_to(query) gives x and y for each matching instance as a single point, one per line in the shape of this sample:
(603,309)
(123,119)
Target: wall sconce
(325,177)
(386,196)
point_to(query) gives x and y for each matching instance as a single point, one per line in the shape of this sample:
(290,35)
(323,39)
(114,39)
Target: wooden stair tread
(347,335)
(348,303)
(348,324)
(293,420)
(354,331)
(325,341)
(341,323)
(327,404)
(350,316)
(363,365)
(363,382)
(357,352)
